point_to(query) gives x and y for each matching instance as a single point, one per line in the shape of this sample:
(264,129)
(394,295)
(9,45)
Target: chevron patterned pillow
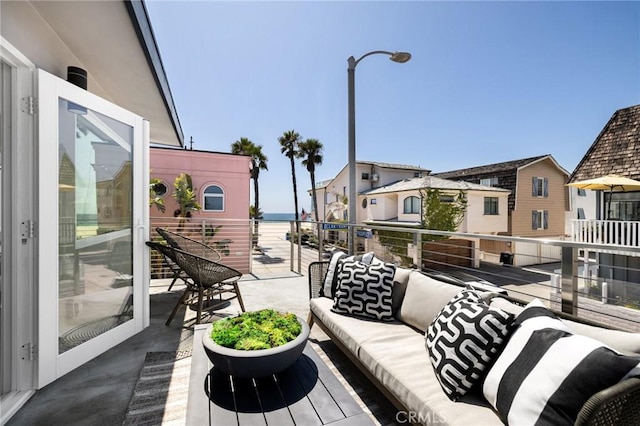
(365,290)
(464,339)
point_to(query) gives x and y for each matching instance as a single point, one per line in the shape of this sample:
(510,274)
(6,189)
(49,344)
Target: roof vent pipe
(77,76)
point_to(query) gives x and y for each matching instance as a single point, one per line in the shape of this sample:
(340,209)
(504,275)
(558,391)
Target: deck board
(307,393)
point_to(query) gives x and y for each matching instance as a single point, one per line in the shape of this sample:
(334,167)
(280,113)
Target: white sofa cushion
(423,300)
(400,362)
(351,331)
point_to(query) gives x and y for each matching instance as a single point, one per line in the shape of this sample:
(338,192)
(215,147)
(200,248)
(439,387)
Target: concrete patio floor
(98,392)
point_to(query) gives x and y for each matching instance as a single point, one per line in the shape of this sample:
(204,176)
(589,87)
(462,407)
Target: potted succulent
(255,344)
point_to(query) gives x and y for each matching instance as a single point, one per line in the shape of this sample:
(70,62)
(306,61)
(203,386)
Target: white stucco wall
(586,202)
(476,221)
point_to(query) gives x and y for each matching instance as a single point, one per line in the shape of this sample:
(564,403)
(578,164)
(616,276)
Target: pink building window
(213,199)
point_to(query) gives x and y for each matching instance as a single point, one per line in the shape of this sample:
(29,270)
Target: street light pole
(400,57)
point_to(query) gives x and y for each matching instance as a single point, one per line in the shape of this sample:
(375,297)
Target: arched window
(412,205)
(213,199)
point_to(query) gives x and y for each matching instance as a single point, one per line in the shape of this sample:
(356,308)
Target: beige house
(537,206)
(538,199)
(400,203)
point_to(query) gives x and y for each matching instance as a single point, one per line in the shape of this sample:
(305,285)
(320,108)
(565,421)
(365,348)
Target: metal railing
(600,282)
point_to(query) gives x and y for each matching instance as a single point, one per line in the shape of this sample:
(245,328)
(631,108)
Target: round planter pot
(256,363)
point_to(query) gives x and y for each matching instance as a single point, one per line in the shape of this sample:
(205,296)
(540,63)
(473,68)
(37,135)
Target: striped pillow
(546,372)
(331,278)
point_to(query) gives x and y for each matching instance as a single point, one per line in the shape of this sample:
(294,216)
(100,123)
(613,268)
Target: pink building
(221,182)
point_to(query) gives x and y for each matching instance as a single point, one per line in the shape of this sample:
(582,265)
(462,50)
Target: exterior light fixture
(400,57)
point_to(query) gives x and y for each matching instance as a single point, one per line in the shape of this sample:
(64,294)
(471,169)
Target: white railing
(615,232)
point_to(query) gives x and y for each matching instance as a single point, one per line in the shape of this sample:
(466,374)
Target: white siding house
(83,93)
(400,203)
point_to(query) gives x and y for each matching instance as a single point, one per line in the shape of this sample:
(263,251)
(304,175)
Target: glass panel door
(95,188)
(93,287)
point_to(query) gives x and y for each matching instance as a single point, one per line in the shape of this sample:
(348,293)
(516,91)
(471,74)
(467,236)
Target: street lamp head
(400,57)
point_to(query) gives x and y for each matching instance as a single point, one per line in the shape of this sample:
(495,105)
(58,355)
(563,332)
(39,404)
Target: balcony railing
(598,281)
(613,232)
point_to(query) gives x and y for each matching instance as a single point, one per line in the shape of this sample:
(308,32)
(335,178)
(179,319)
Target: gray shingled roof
(616,150)
(490,168)
(394,166)
(430,182)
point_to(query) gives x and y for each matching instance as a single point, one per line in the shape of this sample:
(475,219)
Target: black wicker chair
(189,245)
(207,280)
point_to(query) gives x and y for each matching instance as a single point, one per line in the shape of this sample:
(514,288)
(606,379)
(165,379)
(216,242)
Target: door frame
(19,274)
(52,365)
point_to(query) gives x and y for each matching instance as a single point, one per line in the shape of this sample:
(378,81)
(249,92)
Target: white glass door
(93,282)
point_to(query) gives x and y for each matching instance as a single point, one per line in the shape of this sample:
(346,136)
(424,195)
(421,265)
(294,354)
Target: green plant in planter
(263,329)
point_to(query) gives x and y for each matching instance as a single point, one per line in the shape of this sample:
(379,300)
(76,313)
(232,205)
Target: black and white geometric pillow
(365,290)
(464,339)
(546,372)
(331,278)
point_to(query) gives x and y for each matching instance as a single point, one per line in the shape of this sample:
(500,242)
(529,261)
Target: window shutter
(534,219)
(534,187)
(545,219)
(581,213)
(545,187)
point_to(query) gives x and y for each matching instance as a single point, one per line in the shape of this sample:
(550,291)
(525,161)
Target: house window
(417,174)
(160,189)
(582,192)
(489,182)
(539,219)
(373,201)
(446,199)
(491,205)
(364,203)
(213,199)
(365,176)
(412,205)
(540,187)
(581,213)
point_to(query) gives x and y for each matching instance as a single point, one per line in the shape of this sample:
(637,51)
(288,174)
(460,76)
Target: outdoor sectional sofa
(393,354)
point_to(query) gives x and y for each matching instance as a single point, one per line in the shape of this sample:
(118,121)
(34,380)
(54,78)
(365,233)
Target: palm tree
(258,162)
(289,147)
(311,152)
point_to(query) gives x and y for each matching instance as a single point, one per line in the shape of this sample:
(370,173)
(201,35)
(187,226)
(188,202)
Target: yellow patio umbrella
(610,183)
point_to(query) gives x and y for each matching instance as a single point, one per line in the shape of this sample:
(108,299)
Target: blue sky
(488,81)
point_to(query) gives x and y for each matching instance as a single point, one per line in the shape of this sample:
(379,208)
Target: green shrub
(256,330)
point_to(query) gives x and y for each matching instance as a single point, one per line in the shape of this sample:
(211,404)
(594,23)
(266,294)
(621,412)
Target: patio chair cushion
(546,372)
(423,300)
(464,339)
(365,290)
(331,279)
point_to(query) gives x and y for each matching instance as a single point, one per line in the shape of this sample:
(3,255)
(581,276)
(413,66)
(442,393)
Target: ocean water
(279,216)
